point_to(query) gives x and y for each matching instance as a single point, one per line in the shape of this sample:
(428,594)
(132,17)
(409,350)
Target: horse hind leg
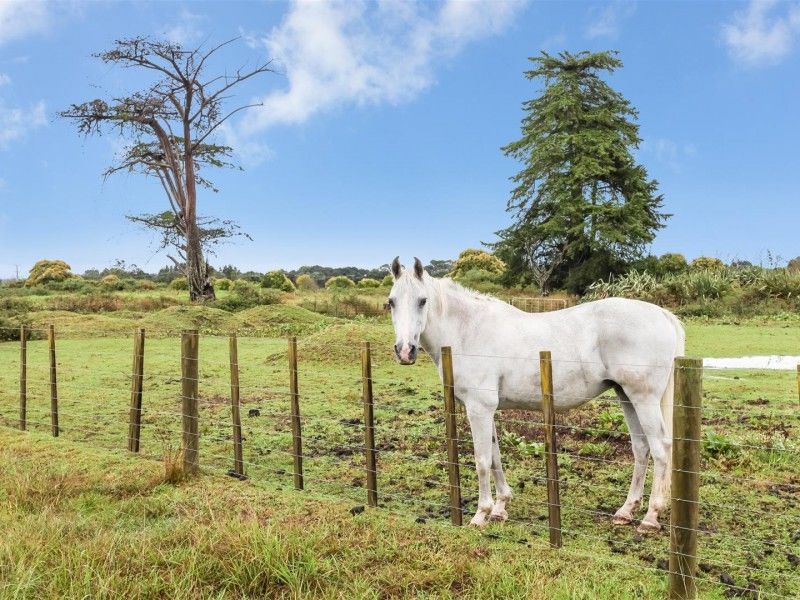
(502,489)
(641,453)
(649,412)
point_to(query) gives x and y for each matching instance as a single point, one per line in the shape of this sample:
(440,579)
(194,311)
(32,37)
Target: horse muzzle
(406,353)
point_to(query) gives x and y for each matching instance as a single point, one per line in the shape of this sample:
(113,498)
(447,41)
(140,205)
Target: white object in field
(779,363)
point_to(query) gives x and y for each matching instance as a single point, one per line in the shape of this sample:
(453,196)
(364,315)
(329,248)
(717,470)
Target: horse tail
(668,397)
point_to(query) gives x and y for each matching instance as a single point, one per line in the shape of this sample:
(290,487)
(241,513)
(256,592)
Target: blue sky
(381,134)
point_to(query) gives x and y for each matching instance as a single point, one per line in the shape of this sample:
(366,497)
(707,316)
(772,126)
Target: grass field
(86,519)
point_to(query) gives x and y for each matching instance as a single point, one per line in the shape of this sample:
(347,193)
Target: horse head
(408,303)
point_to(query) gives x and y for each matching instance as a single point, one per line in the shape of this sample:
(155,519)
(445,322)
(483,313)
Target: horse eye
(422,302)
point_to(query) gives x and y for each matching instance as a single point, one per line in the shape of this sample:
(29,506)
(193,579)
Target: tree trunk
(197,275)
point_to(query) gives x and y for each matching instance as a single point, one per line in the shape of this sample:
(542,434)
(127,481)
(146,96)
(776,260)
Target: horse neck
(451,315)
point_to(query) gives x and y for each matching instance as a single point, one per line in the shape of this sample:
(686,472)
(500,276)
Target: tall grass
(743,287)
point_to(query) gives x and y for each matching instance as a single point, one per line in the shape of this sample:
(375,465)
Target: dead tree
(170,126)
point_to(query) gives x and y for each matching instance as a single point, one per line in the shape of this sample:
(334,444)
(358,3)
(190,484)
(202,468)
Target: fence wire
(750,490)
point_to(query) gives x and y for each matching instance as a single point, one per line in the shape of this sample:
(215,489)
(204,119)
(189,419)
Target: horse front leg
(502,489)
(481,423)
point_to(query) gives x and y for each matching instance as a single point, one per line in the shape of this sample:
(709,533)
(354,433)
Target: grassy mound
(179,318)
(342,342)
(277,320)
(70,324)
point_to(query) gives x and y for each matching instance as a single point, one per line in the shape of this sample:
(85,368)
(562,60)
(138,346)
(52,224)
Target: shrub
(794,265)
(9,330)
(369,283)
(634,284)
(45,271)
(775,283)
(481,280)
(179,283)
(671,263)
(340,282)
(707,263)
(387,281)
(277,280)
(145,284)
(245,294)
(472,258)
(244,288)
(222,284)
(110,281)
(306,283)
(73,284)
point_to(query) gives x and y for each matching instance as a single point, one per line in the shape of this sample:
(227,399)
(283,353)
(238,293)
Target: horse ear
(396,267)
(418,270)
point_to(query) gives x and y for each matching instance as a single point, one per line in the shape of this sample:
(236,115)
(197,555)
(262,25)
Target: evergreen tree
(582,207)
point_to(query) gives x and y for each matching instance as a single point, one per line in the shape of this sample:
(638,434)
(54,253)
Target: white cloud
(359,53)
(15,123)
(763,33)
(249,152)
(607,21)
(186,31)
(19,18)
(670,153)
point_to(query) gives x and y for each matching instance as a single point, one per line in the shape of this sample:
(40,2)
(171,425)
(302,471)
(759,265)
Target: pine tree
(582,206)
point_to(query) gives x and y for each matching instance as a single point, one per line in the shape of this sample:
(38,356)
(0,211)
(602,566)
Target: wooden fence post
(369,425)
(238,459)
(137,377)
(685,510)
(23,377)
(297,435)
(51,337)
(451,431)
(550,449)
(189,392)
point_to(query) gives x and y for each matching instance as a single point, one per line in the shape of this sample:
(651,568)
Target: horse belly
(521,392)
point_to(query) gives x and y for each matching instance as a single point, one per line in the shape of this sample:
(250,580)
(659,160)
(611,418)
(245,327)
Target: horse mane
(459,293)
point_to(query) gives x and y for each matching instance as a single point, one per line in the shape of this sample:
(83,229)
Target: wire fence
(314,434)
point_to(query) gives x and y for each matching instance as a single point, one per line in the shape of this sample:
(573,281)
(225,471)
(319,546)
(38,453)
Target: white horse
(624,345)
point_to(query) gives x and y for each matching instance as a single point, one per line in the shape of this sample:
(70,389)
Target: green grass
(86,519)
(729,339)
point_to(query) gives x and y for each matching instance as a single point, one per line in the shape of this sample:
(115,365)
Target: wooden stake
(189,392)
(137,378)
(23,377)
(238,459)
(451,432)
(51,337)
(369,425)
(685,510)
(297,435)
(550,449)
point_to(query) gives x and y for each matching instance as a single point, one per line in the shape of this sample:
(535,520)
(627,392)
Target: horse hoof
(649,527)
(498,517)
(621,520)
(479,520)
